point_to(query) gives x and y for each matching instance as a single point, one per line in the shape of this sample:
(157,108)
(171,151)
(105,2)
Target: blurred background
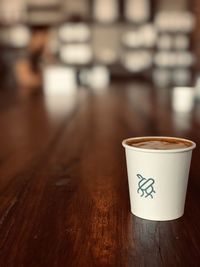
(92,42)
(76,78)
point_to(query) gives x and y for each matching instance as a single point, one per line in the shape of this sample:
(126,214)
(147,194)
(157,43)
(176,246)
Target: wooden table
(63,183)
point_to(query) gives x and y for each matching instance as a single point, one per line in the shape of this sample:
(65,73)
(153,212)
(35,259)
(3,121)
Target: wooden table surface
(64,197)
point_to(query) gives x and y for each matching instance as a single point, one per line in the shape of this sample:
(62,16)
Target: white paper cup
(157,179)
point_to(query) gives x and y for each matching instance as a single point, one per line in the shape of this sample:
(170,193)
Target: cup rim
(176,150)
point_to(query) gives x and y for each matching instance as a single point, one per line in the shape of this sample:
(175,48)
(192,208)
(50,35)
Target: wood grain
(63,183)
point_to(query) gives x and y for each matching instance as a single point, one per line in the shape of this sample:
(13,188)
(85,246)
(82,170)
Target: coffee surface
(160,143)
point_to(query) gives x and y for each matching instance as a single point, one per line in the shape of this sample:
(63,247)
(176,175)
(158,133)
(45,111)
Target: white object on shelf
(149,35)
(17,36)
(173,41)
(181,77)
(165,42)
(106,11)
(162,77)
(137,61)
(181,42)
(145,36)
(137,11)
(184,59)
(74,32)
(132,39)
(174,59)
(12,12)
(97,77)
(76,53)
(175,21)
(165,59)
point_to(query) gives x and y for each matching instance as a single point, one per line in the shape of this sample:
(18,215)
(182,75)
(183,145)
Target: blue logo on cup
(145,186)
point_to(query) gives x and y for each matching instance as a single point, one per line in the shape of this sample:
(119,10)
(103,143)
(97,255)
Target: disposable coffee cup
(157,177)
